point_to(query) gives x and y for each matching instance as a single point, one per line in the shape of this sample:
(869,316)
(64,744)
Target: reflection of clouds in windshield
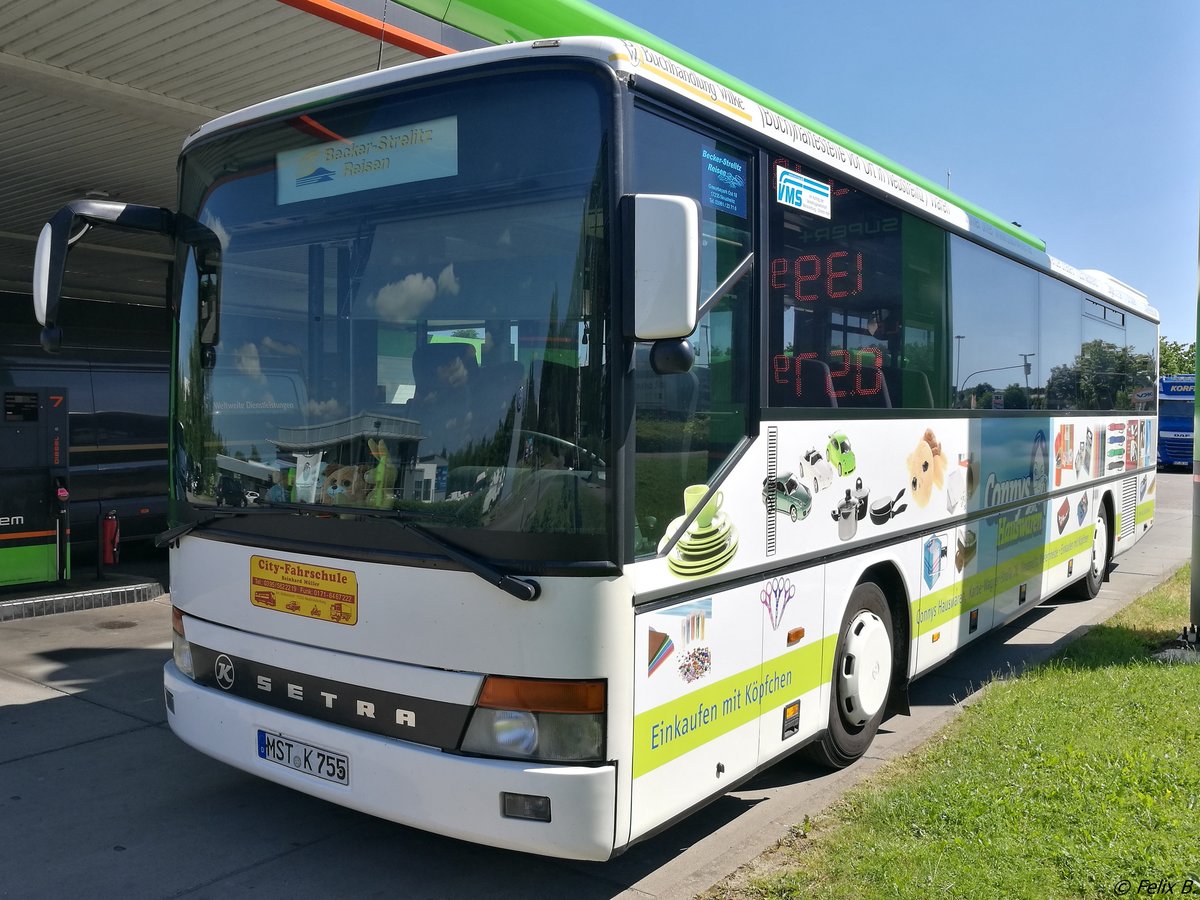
(245,359)
(402,301)
(405,300)
(323,409)
(213,224)
(278,348)
(447,282)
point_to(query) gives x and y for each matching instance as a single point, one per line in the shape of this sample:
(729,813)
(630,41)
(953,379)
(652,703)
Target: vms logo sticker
(801,192)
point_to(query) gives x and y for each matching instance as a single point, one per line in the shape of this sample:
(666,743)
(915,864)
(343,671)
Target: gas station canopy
(96,99)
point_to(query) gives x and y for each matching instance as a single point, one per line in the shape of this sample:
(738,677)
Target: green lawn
(1060,783)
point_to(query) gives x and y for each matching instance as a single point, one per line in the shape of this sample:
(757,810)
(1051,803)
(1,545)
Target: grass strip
(1080,778)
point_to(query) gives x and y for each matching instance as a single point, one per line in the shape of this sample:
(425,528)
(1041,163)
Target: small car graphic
(839,454)
(791,497)
(815,471)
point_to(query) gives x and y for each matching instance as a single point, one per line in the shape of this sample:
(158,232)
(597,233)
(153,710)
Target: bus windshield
(406,313)
(1175,409)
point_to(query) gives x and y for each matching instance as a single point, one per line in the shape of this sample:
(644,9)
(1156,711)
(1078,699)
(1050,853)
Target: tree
(1015,397)
(1175,358)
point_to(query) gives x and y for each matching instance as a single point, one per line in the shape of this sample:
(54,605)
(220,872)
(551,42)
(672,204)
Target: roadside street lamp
(1025,363)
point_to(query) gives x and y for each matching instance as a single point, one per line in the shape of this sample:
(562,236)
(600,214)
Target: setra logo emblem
(223,669)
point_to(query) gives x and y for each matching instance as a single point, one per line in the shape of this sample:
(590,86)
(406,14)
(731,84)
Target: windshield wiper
(522,588)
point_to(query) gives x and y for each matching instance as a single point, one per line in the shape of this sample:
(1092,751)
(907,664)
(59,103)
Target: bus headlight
(549,721)
(181,650)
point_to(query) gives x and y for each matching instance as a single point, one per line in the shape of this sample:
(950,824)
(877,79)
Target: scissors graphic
(775,597)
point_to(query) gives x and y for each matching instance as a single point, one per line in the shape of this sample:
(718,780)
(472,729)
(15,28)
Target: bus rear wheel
(1089,586)
(862,679)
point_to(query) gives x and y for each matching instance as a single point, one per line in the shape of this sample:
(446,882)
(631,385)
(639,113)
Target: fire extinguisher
(110,538)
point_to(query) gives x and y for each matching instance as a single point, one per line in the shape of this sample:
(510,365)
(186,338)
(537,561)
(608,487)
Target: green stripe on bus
(1145,512)
(949,603)
(502,21)
(22,565)
(669,731)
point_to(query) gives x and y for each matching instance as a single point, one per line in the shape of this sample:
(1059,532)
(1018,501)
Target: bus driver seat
(442,375)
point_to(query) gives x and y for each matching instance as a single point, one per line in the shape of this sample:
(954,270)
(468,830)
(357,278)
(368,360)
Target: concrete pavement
(98,798)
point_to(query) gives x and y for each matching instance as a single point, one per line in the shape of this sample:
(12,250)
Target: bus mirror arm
(676,356)
(66,227)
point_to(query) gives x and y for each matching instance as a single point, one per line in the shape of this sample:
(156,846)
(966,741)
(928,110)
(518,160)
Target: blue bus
(1176,408)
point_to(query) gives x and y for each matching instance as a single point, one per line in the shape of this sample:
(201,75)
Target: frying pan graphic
(884,509)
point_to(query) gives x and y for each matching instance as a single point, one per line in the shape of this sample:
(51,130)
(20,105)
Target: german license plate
(302,757)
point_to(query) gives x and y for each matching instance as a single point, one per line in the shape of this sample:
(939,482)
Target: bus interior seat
(816,384)
(495,388)
(442,398)
(908,387)
(429,358)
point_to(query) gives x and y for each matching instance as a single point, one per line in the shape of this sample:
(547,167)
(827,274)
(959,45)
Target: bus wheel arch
(870,651)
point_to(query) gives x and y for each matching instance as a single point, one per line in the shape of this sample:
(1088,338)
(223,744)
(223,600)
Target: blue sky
(1080,119)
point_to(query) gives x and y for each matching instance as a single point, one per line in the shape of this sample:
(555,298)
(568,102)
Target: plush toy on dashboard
(343,486)
(926,468)
(380,478)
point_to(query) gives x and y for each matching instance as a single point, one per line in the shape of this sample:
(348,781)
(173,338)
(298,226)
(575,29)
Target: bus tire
(1089,586)
(862,679)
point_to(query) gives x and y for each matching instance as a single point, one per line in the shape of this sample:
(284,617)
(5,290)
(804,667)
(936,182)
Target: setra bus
(612,435)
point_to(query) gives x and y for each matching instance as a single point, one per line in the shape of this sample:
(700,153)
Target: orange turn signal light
(535,695)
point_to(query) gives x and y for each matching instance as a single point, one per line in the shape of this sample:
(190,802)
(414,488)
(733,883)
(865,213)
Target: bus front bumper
(421,787)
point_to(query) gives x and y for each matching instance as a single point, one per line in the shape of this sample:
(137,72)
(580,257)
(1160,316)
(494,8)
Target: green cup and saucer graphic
(709,542)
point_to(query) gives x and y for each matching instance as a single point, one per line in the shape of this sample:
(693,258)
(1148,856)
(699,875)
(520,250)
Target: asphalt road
(99,799)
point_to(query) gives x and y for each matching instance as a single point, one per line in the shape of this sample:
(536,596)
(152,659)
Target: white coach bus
(560,437)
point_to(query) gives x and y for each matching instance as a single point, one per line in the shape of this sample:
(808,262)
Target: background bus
(34,485)
(1176,419)
(562,552)
(114,363)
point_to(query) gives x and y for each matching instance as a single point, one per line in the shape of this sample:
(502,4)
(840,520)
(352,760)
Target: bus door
(34,489)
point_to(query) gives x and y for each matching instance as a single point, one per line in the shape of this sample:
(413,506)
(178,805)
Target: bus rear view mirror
(666,265)
(66,227)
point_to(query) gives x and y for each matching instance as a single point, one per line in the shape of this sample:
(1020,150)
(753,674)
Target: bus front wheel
(862,679)
(1089,586)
